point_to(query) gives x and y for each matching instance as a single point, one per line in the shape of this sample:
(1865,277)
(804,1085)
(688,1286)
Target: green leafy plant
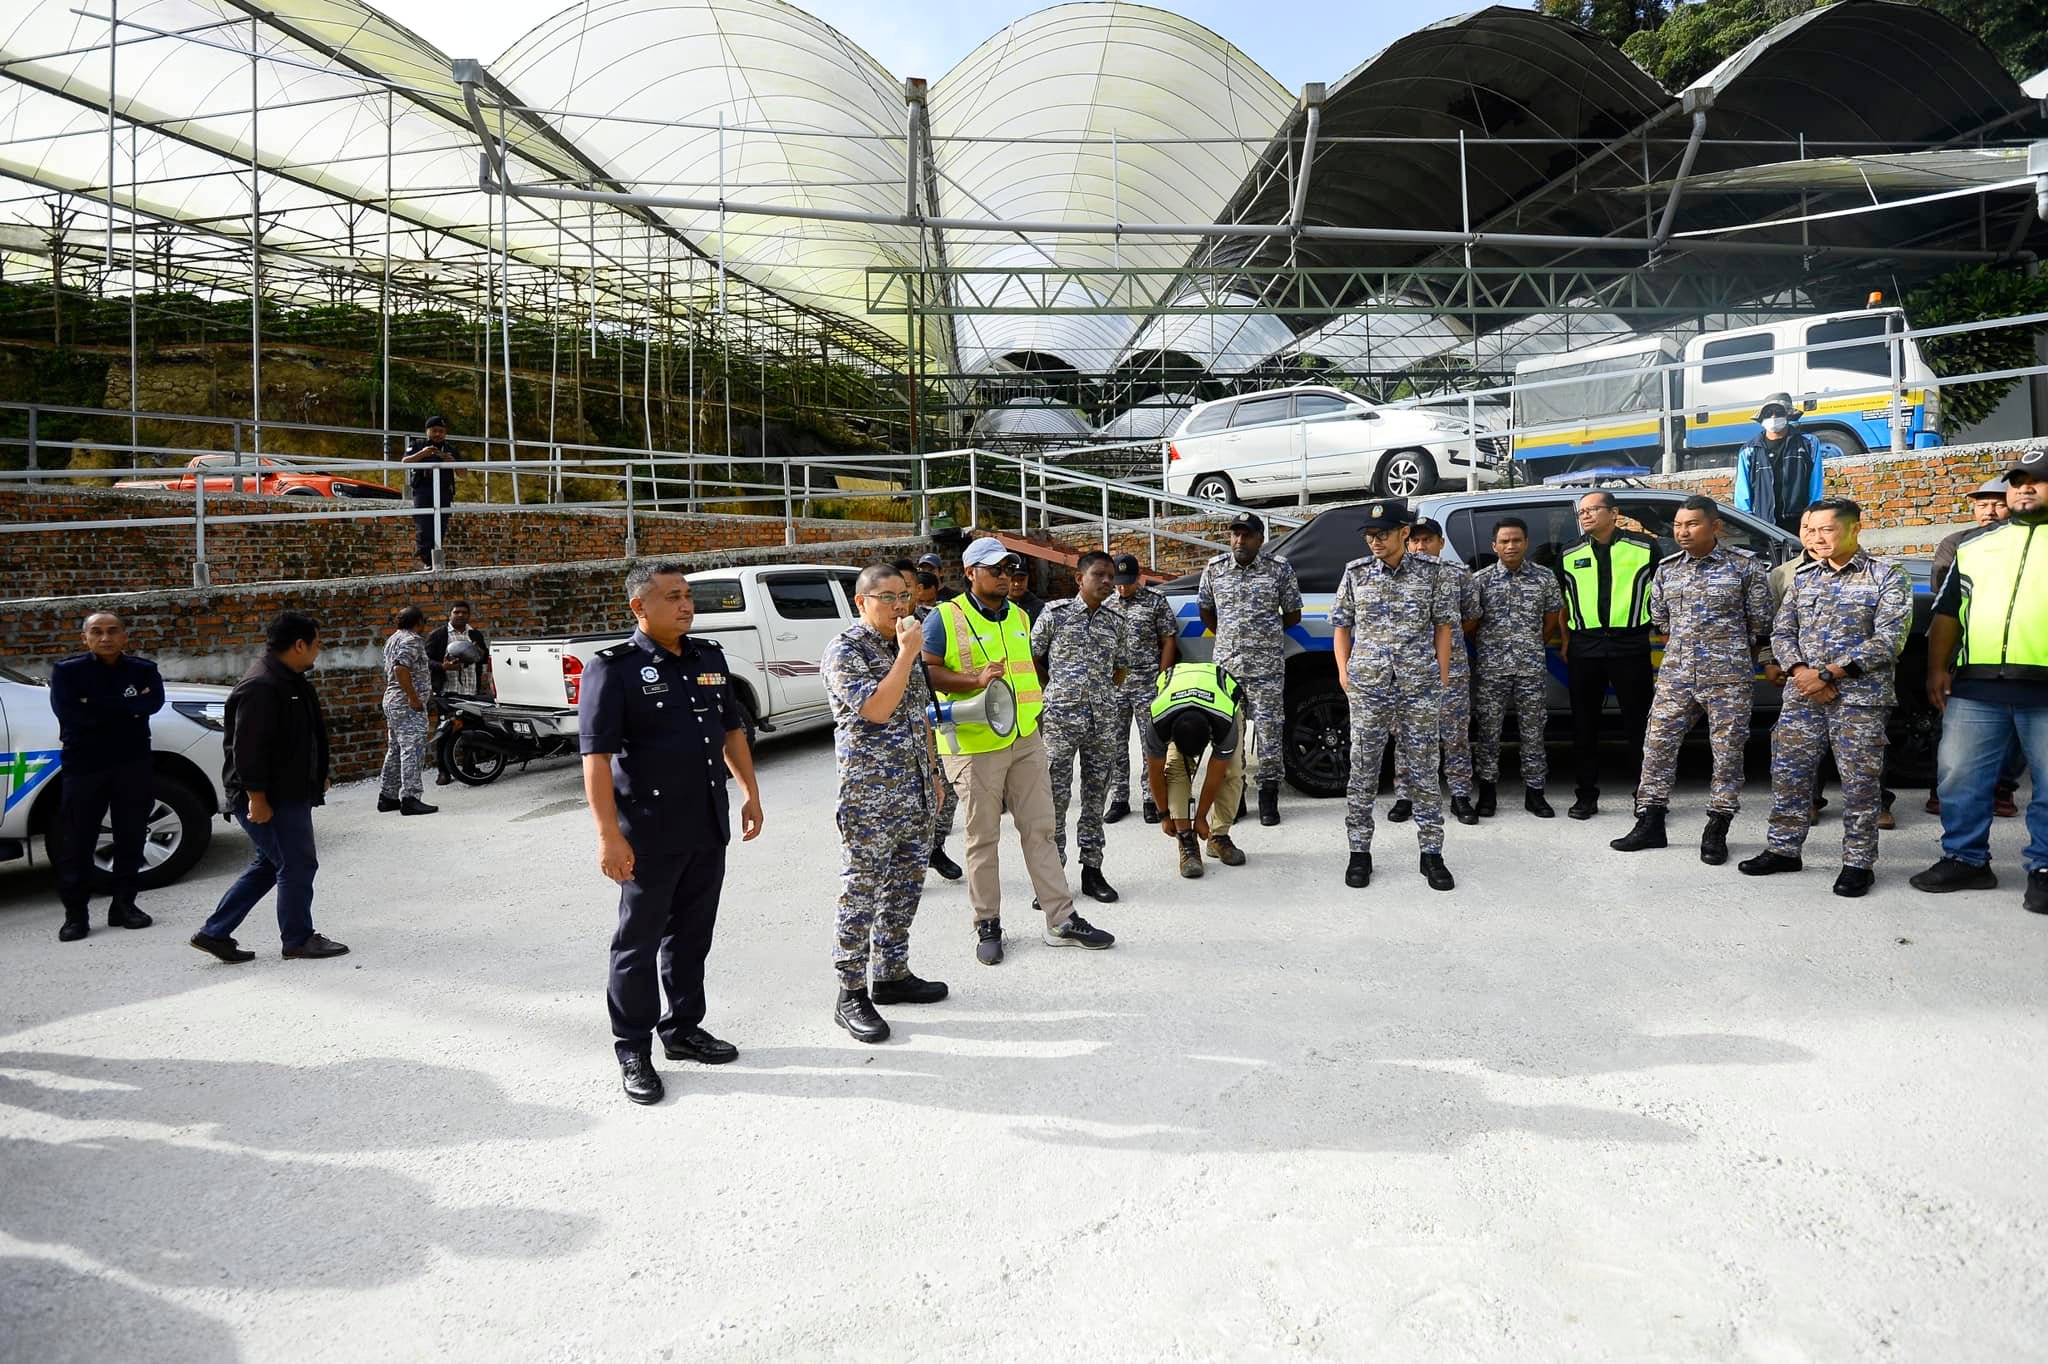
(1971,293)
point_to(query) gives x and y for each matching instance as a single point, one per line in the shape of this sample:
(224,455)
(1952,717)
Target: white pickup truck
(773,624)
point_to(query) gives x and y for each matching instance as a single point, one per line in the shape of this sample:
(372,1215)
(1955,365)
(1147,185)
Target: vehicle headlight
(212,714)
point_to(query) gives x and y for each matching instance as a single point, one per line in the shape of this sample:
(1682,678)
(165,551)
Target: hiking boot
(1489,800)
(1768,863)
(1535,804)
(988,941)
(1401,811)
(1586,806)
(1190,858)
(1226,852)
(907,989)
(1078,932)
(1462,811)
(855,1012)
(1358,872)
(1853,882)
(413,805)
(127,916)
(944,865)
(1151,811)
(1439,875)
(1950,875)
(1648,832)
(1714,838)
(1269,805)
(1095,888)
(1118,809)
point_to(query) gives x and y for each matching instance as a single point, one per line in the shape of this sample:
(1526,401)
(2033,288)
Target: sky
(1320,40)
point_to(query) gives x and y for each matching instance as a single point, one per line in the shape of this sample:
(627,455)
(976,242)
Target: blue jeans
(1975,736)
(285,858)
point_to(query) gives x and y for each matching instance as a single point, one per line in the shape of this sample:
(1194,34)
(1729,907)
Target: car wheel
(1843,439)
(1407,473)
(476,764)
(1317,736)
(175,835)
(1213,488)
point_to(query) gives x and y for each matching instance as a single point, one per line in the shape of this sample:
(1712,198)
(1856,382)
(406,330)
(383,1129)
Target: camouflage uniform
(1456,730)
(884,844)
(1858,614)
(1083,650)
(405,751)
(949,799)
(1715,610)
(1513,667)
(1148,618)
(1248,603)
(1396,687)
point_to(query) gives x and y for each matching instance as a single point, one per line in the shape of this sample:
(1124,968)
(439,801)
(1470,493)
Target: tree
(1971,293)
(1701,35)
(1613,20)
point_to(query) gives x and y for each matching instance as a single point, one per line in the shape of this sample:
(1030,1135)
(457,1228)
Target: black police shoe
(386,804)
(1535,804)
(1586,806)
(944,865)
(1269,805)
(988,942)
(855,1012)
(1358,872)
(694,1044)
(1489,800)
(1401,811)
(1118,809)
(1648,832)
(127,916)
(1462,811)
(1949,874)
(1151,811)
(2036,900)
(74,929)
(1078,932)
(1853,882)
(1769,864)
(1714,838)
(1438,874)
(1095,887)
(907,989)
(413,805)
(223,948)
(639,1079)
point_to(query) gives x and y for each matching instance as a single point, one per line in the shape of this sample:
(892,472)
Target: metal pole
(1151,533)
(1666,423)
(201,574)
(973,494)
(505,310)
(440,525)
(1105,516)
(384,310)
(1894,351)
(32,441)
(632,539)
(255,247)
(1472,425)
(788,507)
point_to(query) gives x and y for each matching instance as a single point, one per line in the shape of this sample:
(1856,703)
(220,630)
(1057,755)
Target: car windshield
(8,674)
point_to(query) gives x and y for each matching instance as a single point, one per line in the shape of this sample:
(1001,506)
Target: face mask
(1775,426)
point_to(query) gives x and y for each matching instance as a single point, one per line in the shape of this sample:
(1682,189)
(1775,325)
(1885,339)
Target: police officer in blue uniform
(660,728)
(103,699)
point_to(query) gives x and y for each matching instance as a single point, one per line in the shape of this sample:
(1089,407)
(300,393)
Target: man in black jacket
(465,676)
(433,489)
(275,773)
(103,699)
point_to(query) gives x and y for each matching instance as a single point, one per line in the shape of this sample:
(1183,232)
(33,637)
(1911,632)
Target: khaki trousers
(1017,776)
(1180,790)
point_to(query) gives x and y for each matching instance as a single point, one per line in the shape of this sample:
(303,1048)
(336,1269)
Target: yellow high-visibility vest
(972,642)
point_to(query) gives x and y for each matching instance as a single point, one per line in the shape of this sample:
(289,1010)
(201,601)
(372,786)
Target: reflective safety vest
(2004,609)
(974,641)
(1631,565)
(1203,686)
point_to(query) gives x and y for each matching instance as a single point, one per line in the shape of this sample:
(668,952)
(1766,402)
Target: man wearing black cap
(433,489)
(1987,672)
(1778,475)
(1392,624)
(1250,598)
(1150,630)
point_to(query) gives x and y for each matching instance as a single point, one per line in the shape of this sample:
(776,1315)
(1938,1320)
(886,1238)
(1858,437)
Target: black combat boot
(1533,802)
(1714,840)
(1151,811)
(413,805)
(942,864)
(1768,863)
(1462,811)
(2036,899)
(1648,833)
(855,1012)
(1489,800)
(1358,873)
(127,916)
(907,989)
(77,923)
(1269,805)
(1401,811)
(1852,882)
(1095,888)
(1118,809)
(1587,805)
(1439,875)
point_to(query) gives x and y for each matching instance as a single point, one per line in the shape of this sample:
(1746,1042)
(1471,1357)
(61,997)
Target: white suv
(185,737)
(1264,445)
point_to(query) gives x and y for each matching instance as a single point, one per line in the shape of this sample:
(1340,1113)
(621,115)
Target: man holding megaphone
(992,751)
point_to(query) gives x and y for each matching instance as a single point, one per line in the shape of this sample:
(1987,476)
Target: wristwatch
(1827,676)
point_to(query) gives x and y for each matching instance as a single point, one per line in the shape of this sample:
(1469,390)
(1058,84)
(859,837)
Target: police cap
(1391,514)
(1126,568)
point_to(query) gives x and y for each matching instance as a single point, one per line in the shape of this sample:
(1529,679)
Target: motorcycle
(478,738)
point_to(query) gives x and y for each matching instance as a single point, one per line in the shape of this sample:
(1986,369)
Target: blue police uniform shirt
(662,718)
(103,709)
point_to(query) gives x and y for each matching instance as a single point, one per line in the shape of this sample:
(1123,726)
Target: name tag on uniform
(656,689)
(710,679)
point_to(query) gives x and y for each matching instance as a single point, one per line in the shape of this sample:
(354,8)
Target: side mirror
(1368,414)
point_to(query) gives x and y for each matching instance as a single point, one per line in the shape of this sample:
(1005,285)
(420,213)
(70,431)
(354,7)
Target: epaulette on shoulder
(623,649)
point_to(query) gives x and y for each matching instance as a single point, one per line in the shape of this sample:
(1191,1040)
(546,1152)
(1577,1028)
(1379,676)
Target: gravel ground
(1587,1107)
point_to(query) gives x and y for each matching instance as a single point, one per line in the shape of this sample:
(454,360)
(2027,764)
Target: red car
(279,475)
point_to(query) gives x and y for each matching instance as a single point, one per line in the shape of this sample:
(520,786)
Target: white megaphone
(994,705)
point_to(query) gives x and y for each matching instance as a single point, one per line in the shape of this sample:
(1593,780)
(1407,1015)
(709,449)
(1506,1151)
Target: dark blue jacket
(103,709)
(662,718)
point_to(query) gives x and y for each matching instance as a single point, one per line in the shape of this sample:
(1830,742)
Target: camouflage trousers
(1133,707)
(1268,698)
(1672,712)
(1410,717)
(1492,698)
(1803,734)
(881,878)
(405,752)
(1454,737)
(1091,736)
(949,801)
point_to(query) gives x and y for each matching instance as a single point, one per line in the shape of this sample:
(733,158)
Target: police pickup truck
(1317,731)
(185,737)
